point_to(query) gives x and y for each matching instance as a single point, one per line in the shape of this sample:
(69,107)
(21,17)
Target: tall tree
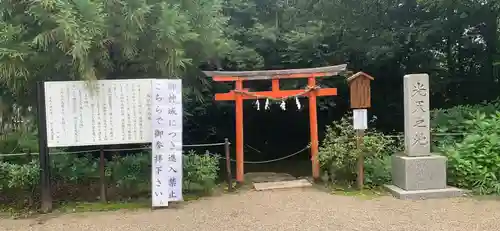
(97,39)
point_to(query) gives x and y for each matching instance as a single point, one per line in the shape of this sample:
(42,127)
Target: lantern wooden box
(359,89)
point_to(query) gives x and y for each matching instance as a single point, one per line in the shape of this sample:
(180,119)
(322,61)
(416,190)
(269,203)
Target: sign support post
(46,195)
(102,171)
(228,165)
(361,159)
(359,88)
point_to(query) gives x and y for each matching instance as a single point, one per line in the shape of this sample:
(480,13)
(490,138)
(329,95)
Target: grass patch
(80,207)
(12,213)
(75,207)
(348,190)
(480,197)
(141,203)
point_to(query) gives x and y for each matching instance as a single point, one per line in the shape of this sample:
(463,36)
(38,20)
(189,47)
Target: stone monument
(417,173)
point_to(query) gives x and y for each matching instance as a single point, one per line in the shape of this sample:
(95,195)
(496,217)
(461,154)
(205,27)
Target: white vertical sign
(167,140)
(360,119)
(159,165)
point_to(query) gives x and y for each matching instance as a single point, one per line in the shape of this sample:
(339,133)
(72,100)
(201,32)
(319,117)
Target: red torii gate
(239,94)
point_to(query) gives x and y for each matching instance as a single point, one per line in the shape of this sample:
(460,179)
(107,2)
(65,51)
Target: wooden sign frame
(360,90)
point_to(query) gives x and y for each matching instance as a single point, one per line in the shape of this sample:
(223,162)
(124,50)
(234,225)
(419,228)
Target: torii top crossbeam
(221,76)
(239,94)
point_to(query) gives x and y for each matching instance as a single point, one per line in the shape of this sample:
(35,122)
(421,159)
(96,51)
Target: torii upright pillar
(240,93)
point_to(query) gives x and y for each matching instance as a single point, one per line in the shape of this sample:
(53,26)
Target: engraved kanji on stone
(172,170)
(419,123)
(420,139)
(158,183)
(419,104)
(419,89)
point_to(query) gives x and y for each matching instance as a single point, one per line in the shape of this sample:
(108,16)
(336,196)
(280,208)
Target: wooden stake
(228,166)
(359,145)
(46,195)
(102,171)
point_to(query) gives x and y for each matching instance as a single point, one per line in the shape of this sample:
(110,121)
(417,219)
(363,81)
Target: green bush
(452,120)
(474,163)
(18,182)
(70,168)
(200,172)
(76,177)
(474,157)
(131,174)
(378,170)
(338,154)
(19,142)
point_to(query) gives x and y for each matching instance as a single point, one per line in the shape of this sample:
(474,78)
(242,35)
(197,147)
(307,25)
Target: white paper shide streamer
(297,102)
(167,141)
(266,106)
(283,105)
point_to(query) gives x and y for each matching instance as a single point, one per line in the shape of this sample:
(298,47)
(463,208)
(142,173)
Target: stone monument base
(420,177)
(424,194)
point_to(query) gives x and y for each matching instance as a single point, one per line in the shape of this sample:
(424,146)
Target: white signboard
(360,119)
(108,112)
(167,142)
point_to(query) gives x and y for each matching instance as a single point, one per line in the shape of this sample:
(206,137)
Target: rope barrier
(204,145)
(207,145)
(432,134)
(273,160)
(110,150)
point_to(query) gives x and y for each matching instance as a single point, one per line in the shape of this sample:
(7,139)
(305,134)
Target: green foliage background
(457,42)
(471,146)
(76,178)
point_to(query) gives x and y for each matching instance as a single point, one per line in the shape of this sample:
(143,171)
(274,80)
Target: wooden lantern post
(359,89)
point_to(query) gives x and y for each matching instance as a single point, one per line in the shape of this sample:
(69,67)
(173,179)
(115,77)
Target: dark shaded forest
(455,41)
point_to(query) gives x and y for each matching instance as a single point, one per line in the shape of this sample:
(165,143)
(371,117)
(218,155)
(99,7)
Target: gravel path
(295,209)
